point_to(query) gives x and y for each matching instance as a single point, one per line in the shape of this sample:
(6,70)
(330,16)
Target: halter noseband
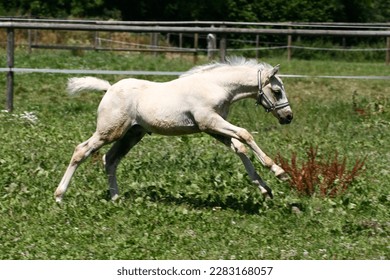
(264,100)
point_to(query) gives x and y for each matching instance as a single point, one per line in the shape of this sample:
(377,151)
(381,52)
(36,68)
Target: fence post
(10,73)
(154,41)
(168,39)
(196,43)
(180,42)
(257,46)
(211,46)
(222,46)
(96,40)
(388,51)
(289,43)
(29,38)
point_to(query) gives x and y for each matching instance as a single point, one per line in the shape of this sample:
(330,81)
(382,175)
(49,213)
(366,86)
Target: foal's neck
(242,84)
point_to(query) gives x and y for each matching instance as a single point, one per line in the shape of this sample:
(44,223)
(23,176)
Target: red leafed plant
(328,178)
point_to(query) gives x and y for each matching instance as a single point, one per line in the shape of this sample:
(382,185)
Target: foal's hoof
(115,197)
(58,196)
(266,192)
(283,176)
(279,172)
(104,160)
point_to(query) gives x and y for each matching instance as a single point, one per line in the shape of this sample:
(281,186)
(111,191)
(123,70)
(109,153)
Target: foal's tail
(76,85)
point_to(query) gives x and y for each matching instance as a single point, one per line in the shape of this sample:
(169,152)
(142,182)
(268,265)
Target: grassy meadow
(189,197)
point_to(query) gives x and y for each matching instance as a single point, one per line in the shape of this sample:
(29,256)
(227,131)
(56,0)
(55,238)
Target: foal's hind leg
(240,150)
(81,152)
(116,153)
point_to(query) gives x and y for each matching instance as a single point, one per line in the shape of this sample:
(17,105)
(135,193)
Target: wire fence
(173,48)
(165,73)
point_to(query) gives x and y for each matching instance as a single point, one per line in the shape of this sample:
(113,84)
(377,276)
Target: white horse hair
(196,102)
(77,85)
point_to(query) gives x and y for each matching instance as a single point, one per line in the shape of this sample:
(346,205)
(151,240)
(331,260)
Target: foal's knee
(245,135)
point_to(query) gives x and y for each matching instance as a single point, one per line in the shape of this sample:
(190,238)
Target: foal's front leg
(217,125)
(240,150)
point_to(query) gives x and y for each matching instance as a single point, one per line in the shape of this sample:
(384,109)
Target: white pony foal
(198,101)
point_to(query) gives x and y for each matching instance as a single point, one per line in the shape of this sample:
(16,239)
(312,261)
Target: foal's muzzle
(286,119)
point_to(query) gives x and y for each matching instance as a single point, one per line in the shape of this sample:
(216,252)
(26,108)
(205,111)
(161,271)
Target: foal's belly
(170,127)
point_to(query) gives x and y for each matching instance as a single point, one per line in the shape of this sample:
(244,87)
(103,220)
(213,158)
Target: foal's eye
(277,91)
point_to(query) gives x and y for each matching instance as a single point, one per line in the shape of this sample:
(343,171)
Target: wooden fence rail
(344,25)
(222,29)
(192,29)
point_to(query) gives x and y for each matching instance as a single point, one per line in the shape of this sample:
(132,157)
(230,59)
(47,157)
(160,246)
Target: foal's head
(272,95)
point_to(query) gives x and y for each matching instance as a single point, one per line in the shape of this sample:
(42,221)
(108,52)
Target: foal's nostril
(286,119)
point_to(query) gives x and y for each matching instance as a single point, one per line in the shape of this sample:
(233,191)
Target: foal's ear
(274,71)
(271,73)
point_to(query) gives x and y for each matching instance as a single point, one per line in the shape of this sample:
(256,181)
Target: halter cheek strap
(264,100)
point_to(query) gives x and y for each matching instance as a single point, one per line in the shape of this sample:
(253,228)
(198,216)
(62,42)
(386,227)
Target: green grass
(188,197)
